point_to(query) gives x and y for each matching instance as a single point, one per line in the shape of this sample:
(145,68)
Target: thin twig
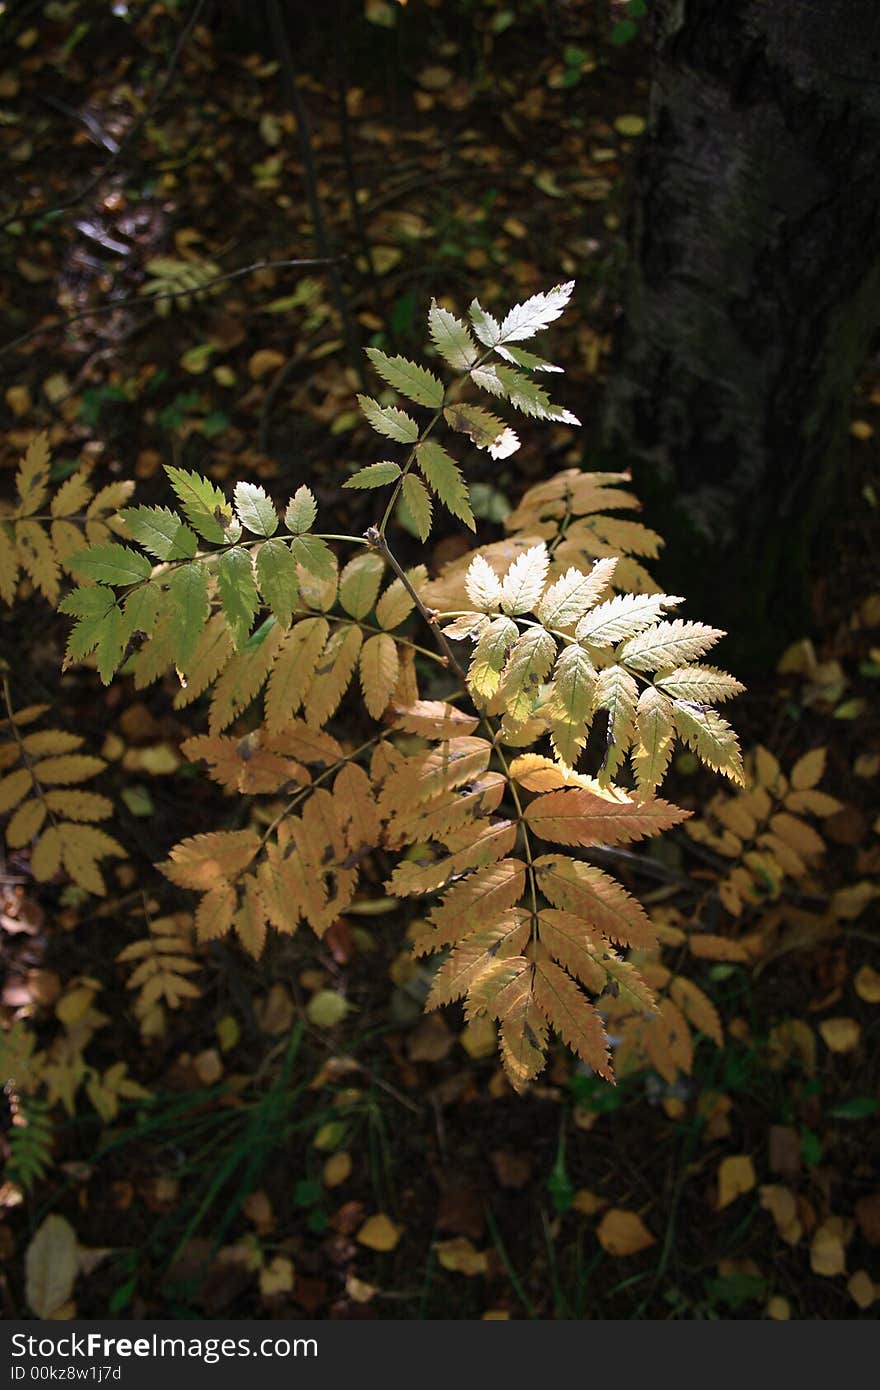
(162,294)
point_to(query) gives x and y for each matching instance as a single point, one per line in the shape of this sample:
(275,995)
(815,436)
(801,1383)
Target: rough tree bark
(754,287)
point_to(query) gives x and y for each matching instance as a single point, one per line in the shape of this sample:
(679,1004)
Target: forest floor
(379,1166)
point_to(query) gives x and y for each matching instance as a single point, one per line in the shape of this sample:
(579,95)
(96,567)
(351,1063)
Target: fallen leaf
(379,1233)
(51,1265)
(277,1276)
(358,1290)
(867,984)
(479,1039)
(511,1170)
(430,1041)
(736,1175)
(840,1034)
(461,1256)
(258,1209)
(862,1289)
(779,1309)
(337,1169)
(782,1205)
(630,125)
(326,1008)
(587,1202)
(827,1253)
(867,1213)
(623,1233)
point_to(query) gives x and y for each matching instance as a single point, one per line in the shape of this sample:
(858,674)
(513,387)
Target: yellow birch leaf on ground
(623,1233)
(379,1233)
(867,984)
(461,1256)
(736,1175)
(780,1202)
(779,1309)
(827,1253)
(51,1266)
(277,1276)
(862,1289)
(840,1034)
(337,1169)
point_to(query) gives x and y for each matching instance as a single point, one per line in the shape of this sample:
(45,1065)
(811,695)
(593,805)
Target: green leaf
(858,1108)
(411,380)
(204,505)
(87,603)
(315,556)
(142,608)
(419,505)
(359,583)
(571,705)
(486,327)
(161,532)
(444,476)
(276,575)
(238,592)
(388,420)
(616,692)
(526,395)
(490,655)
(531,658)
(188,595)
(520,358)
(111,643)
(110,564)
(301,511)
(375,475)
(451,338)
(256,510)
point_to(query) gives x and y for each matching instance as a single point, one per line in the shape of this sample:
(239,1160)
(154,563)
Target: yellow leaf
(808,770)
(623,1233)
(46,856)
(75,1004)
(736,1175)
(630,125)
(51,1266)
(277,1276)
(461,1256)
(840,1034)
(337,1169)
(379,670)
(778,1308)
(13,788)
(867,984)
(26,823)
(379,1233)
(862,1289)
(827,1253)
(32,479)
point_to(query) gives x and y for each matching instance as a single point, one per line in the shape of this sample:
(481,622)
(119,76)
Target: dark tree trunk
(754,290)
